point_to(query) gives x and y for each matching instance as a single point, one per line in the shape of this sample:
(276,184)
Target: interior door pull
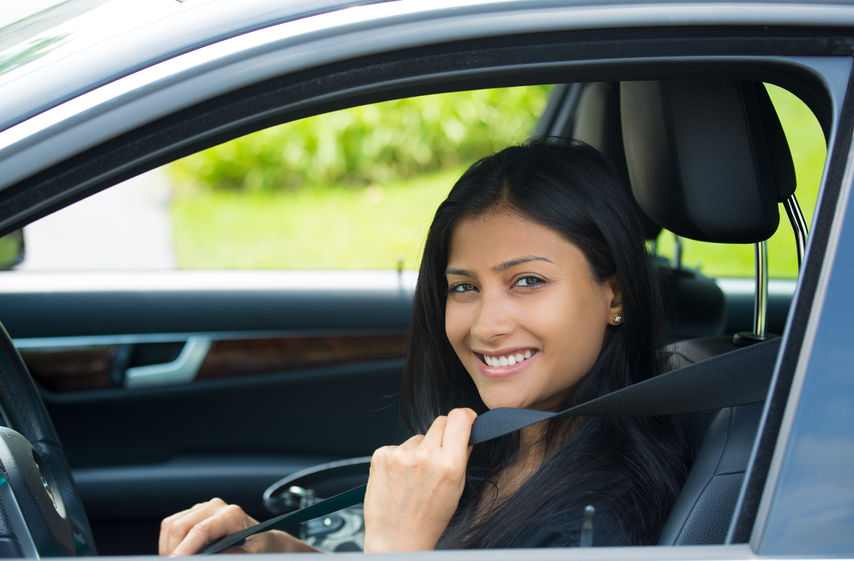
(180,371)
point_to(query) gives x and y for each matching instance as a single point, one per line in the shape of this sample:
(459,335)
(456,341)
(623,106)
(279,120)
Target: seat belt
(739,377)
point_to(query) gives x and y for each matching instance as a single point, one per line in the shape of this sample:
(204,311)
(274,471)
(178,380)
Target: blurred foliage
(10,60)
(11,249)
(372,144)
(312,228)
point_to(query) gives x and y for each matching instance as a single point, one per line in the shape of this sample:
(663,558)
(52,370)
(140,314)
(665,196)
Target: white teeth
(507,360)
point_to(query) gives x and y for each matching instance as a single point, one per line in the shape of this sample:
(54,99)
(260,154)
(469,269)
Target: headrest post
(761,302)
(677,252)
(799,226)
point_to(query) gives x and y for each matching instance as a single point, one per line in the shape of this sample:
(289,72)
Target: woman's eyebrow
(460,272)
(500,267)
(513,262)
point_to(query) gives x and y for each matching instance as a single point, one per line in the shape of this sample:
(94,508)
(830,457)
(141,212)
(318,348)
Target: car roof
(71,47)
(74,46)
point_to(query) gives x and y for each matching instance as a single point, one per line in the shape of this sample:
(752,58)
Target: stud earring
(618,319)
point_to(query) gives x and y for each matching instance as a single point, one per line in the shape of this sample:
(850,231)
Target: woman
(535,292)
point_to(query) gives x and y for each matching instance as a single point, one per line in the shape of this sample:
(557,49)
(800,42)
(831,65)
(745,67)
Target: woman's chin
(516,403)
(499,403)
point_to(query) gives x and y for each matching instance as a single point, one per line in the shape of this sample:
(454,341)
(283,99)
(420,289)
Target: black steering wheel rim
(23,410)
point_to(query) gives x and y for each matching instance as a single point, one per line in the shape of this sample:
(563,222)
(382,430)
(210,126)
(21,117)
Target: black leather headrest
(597,124)
(707,160)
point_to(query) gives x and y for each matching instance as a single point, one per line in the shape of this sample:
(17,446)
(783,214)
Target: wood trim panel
(248,357)
(64,369)
(93,367)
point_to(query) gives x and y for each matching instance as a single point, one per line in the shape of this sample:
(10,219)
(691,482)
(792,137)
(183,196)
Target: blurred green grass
(315,229)
(343,226)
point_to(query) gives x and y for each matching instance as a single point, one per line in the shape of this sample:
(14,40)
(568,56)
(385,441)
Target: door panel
(286,377)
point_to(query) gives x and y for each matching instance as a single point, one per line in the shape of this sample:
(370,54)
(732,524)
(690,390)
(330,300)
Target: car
(166,388)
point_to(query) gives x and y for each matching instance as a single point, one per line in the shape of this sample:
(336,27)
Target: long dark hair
(629,468)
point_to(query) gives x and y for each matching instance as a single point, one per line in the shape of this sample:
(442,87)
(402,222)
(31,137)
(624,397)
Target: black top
(607,531)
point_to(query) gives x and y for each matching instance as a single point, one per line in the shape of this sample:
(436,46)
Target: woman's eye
(528,282)
(461,287)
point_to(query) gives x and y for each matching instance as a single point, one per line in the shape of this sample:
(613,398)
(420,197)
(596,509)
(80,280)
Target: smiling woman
(539,250)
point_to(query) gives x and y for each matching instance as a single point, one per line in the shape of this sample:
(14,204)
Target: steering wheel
(38,472)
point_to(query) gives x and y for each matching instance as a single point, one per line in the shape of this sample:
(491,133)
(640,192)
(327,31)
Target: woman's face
(524,313)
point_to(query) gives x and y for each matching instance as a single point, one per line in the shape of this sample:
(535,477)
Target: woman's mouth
(506,364)
(509,359)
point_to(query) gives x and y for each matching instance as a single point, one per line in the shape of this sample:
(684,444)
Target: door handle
(182,370)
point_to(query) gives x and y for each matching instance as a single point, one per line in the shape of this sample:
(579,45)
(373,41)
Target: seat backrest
(723,440)
(708,160)
(704,509)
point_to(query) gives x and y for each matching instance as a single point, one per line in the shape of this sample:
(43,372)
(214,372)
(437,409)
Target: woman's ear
(615,309)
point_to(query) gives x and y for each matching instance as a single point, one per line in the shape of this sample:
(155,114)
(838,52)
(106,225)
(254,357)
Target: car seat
(708,160)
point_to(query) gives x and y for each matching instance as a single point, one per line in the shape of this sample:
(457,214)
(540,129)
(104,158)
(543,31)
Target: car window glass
(351,189)
(807,144)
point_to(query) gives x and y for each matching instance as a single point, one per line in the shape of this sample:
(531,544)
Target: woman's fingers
(186,532)
(435,432)
(174,528)
(457,431)
(226,521)
(411,443)
(413,489)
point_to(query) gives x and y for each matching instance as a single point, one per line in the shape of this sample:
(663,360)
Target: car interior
(287,376)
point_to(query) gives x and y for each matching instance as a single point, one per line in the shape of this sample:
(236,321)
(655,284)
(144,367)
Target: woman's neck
(532,440)
(532,450)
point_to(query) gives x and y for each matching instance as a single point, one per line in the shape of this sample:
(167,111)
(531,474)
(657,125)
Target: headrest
(707,160)
(597,124)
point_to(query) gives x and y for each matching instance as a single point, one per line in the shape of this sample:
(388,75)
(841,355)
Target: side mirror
(11,250)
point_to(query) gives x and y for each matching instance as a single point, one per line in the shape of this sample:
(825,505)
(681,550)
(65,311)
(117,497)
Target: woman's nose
(492,319)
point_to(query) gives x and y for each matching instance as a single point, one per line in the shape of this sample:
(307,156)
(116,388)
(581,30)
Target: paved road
(124,227)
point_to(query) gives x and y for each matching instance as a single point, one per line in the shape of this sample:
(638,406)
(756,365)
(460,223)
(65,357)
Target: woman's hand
(184,533)
(413,489)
